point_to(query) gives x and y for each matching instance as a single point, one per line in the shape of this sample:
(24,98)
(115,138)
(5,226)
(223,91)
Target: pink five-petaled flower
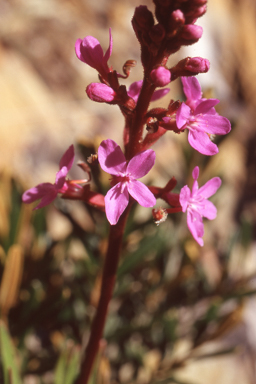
(197,206)
(135,88)
(90,52)
(47,192)
(200,117)
(112,161)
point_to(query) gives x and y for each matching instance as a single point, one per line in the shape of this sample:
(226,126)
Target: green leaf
(7,354)
(67,366)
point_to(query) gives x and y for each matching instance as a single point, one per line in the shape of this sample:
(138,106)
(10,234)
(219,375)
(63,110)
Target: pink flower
(200,118)
(112,161)
(135,88)
(90,52)
(47,192)
(197,206)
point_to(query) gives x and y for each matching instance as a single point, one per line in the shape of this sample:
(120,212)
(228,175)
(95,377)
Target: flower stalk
(107,286)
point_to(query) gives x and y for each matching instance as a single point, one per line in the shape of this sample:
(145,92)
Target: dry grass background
(44,108)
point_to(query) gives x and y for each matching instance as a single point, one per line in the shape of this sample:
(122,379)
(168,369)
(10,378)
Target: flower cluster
(175,26)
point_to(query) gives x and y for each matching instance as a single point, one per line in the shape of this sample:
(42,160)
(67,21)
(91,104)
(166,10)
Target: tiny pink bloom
(200,118)
(112,161)
(47,192)
(135,88)
(160,76)
(197,206)
(90,52)
(101,93)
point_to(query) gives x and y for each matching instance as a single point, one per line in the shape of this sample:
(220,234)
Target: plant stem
(107,287)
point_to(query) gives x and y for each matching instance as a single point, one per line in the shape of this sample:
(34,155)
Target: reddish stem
(137,122)
(107,287)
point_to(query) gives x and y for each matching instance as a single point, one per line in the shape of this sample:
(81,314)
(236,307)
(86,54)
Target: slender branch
(107,287)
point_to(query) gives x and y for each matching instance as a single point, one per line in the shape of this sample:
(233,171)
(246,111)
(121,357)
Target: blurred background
(180,313)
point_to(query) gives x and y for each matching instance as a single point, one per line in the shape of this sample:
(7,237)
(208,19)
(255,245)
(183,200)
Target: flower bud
(190,66)
(191,32)
(197,12)
(160,76)
(157,33)
(200,2)
(177,17)
(101,93)
(197,65)
(143,18)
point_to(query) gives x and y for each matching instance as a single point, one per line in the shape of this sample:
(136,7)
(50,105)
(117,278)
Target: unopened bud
(143,18)
(190,66)
(177,17)
(197,65)
(101,93)
(191,32)
(160,76)
(197,12)
(199,2)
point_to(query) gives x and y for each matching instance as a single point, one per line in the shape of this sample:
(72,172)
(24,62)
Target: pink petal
(182,115)
(115,203)
(194,188)
(191,88)
(202,143)
(205,105)
(67,159)
(195,225)
(214,124)
(47,199)
(37,192)
(208,210)
(61,177)
(141,193)
(185,195)
(78,50)
(141,163)
(134,90)
(109,50)
(111,158)
(159,94)
(195,173)
(209,188)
